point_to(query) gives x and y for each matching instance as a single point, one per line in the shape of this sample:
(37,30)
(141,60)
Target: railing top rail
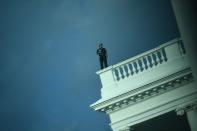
(147,52)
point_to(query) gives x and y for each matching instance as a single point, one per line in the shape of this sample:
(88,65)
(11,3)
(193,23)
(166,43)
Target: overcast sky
(48,57)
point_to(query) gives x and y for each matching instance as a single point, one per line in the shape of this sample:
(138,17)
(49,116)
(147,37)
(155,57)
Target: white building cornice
(150,90)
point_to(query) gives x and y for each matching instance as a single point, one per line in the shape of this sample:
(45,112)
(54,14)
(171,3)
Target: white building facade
(149,85)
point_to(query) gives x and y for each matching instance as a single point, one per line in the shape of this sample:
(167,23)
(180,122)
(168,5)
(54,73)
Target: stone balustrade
(145,61)
(139,64)
(142,68)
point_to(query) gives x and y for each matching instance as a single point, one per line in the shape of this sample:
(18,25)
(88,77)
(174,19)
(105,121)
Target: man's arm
(105,52)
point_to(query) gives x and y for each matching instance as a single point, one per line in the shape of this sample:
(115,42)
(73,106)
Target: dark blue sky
(48,56)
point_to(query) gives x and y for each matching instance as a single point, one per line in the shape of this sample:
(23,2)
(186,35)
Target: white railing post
(128,68)
(147,62)
(107,77)
(172,51)
(161,55)
(137,66)
(124,71)
(143,65)
(114,74)
(133,68)
(157,57)
(119,73)
(152,59)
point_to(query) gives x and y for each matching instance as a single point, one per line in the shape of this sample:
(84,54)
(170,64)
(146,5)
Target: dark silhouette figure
(102,52)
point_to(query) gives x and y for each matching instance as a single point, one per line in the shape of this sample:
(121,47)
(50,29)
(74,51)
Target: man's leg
(105,62)
(101,62)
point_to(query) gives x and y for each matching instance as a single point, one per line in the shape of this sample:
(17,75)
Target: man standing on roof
(102,52)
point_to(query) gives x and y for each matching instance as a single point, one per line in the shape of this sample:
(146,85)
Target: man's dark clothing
(102,56)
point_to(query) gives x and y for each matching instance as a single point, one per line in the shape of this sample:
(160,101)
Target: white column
(191,112)
(192,118)
(186,17)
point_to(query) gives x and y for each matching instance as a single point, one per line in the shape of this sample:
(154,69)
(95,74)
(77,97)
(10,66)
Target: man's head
(100,45)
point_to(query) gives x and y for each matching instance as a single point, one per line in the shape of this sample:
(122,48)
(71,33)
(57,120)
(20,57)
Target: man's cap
(101,44)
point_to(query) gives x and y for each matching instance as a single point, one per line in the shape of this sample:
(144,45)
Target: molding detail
(185,108)
(126,129)
(149,93)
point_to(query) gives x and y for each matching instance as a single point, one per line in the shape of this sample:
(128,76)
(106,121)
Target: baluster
(115,76)
(119,73)
(157,57)
(147,62)
(162,55)
(129,70)
(152,60)
(124,71)
(133,67)
(143,65)
(138,66)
